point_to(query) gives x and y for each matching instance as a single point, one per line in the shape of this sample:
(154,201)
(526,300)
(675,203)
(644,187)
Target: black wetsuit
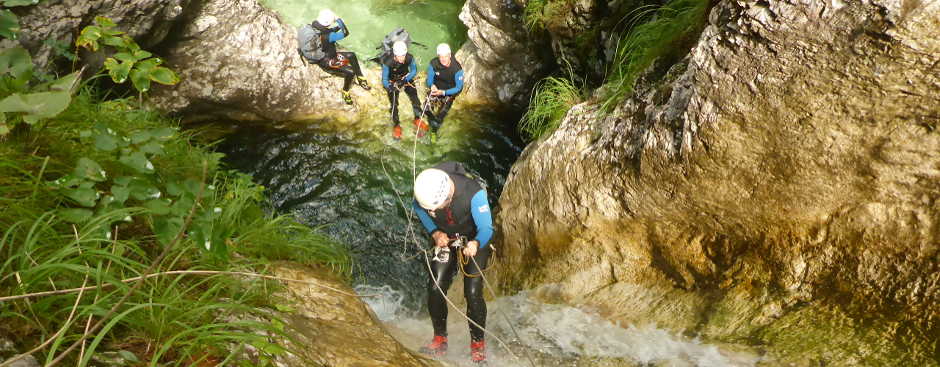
(448,79)
(453,220)
(400,76)
(339,63)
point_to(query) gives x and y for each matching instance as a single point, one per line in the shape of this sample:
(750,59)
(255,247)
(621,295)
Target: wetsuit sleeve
(480,209)
(425,218)
(412,70)
(341,33)
(430,76)
(385,75)
(457,88)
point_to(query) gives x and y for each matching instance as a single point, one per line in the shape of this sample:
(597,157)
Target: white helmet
(443,49)
(326,17)
(399,48)
(432,187)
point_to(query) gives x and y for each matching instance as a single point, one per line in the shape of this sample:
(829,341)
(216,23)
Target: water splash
(553,334)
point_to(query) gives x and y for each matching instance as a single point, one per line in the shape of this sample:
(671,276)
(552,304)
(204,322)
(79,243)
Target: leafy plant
(23,101)
(129,60)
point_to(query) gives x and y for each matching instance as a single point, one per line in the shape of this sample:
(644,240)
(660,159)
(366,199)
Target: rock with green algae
(782,189)
(330,326)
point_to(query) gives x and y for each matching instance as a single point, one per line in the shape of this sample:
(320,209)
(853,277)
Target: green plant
(552,99)
(129,60)
(672,26)
(173,319)
(25,101)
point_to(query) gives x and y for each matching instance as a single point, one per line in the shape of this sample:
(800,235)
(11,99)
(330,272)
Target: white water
(551,334)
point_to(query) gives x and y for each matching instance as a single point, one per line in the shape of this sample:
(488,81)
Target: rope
(427,259)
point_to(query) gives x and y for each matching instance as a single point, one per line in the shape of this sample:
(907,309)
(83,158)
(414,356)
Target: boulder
(331,326)
(502,61)
(778,186)
(239,60)
(59,21)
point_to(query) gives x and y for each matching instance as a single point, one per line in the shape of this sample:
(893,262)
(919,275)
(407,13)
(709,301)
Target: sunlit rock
(780,185)
(500,59)
(331,328)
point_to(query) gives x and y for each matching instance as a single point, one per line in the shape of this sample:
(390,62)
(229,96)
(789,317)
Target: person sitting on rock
(398,72)
(343,63)
(451,204)
(445,79)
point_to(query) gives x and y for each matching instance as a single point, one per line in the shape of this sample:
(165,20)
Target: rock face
(331,327)
(779,186)
(147,21)
(239,60)
(501,60)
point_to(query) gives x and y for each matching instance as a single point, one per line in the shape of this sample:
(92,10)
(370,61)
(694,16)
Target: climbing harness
(427,252)
(338,62)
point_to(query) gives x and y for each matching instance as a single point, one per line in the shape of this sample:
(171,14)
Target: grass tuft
(552,99)
(170,320)
(668,35)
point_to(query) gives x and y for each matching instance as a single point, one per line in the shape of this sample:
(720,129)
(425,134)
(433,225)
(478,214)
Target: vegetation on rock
(109,212)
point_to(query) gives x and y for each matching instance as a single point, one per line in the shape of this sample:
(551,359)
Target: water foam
(558,334)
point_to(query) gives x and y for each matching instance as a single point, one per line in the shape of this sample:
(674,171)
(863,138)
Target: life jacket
(397,71)
(445,77)
(457,217)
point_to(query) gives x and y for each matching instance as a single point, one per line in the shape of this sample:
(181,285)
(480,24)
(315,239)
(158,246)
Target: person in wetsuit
(398,72)
(445,80)
(340,63)
(451,204)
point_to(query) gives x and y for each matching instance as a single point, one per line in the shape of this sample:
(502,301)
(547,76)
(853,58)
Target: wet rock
(337,329)
(780,185)
(239,60)
(236,59)
(58,21)
(502,61)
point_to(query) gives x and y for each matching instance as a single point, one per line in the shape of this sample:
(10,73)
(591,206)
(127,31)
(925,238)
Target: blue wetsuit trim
(482,217)
(424,217)
(457,88)
(338,35)
(430,81)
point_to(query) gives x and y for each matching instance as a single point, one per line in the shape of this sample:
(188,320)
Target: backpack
(398,34)
(310,44)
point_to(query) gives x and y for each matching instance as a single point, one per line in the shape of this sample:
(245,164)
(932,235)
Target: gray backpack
(310,44)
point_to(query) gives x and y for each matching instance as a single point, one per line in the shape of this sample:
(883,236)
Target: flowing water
(354,181)
(542,334)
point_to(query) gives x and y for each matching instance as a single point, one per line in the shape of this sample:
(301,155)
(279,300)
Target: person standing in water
(340,63)
(398,72)
(452,204)
(445,80)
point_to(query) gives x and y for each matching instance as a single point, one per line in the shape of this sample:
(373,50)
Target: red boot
(422,127)
(437,348)
(396,132)
(478,351)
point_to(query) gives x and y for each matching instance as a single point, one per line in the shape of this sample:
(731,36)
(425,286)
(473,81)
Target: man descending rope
(445,79)
(452,205)
(344,64)
(398,72)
